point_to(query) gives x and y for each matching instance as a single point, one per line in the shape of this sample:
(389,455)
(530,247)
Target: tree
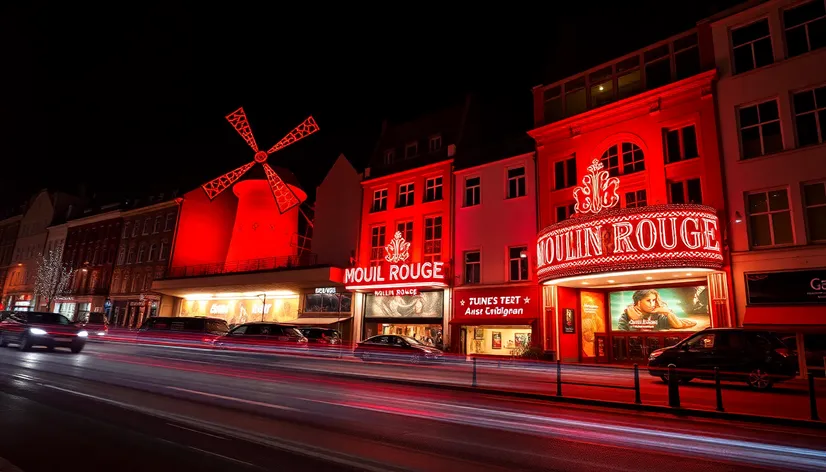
(53,276)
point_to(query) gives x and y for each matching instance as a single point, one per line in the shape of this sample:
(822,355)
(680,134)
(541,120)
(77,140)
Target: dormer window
(435,143)
(411,150)
(389,156)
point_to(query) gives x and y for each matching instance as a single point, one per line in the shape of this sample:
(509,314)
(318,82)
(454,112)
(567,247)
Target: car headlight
(654,355)
(101,333)
(37,331)
(82,334)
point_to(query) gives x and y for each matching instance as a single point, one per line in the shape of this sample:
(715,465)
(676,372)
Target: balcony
(251,265)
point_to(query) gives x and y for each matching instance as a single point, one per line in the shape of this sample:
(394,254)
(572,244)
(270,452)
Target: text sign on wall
(399,273)
(325,290)
(660,236)
(478,305)
(801,287)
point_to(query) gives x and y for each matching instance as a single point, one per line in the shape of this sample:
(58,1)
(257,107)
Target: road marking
(241,400)
(224,457)
(196,431)
(179,359)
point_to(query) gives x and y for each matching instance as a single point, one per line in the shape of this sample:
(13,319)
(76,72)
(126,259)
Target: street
(129,407)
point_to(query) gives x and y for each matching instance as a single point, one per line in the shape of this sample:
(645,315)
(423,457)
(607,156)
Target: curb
(6,466)
(678,412)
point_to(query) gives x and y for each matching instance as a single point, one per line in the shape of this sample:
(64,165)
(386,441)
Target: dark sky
(132,99)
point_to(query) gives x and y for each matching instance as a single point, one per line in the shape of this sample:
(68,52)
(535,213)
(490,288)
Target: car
(758,357)
(195,331)
(321,336)
(398,348)
(262,335)
(95,323)
(33,328)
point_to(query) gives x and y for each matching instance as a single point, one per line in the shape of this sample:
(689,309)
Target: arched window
(141,252)
(125,287)
(121,255)
(116,283)
(164,250)
(153,251)
(130,258)
(623,158)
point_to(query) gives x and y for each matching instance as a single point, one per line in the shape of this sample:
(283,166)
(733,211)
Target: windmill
(285,197)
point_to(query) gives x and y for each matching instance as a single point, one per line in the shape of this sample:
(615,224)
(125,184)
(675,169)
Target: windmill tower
(266,219)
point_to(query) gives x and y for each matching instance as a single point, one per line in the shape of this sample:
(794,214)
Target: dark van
(191,331)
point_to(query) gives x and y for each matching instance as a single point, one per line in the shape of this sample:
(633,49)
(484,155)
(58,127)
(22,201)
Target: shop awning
(786,318)
(319,321)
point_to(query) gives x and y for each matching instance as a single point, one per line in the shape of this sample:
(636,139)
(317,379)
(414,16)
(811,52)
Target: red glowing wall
(239,225)
(568,343)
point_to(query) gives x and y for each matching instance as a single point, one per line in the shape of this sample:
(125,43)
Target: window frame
(476,190)
(684,182)
(680,129)
(760,125)
(378,235)
(408,191)
(522,260)
(620,158)
(769,212)
(382,199)
(523,178)
(477,264)
(433,256)
(821,126)
(807,206)
(568,206)
(428,188)
(567,162)
(434,143)
(804,25)
(750,44)
(411,145)
(636,193)
(389,156)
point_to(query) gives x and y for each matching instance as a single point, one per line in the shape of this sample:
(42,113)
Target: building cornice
(415,171)
(151,208)
(498,162)
(109,215)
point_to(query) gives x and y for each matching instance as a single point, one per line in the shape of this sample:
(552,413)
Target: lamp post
(263,306)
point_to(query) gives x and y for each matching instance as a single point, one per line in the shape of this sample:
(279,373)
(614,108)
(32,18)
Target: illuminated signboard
(399,273)
(654,237)
(325,290)
(478,305)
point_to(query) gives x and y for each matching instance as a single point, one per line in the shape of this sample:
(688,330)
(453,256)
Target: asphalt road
(121,407)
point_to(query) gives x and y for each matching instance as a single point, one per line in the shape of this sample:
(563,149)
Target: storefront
(328,307)
(21,302)
(621,283)
(132,312)
(401,297)
(73,307)
(496,321)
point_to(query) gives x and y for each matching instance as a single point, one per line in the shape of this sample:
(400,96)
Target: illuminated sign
(325,290)
(654,237)
(396,292)
(399,273)
(478,305)
(597,192)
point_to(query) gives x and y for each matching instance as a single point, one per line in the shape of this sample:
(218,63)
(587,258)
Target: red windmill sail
(284,196)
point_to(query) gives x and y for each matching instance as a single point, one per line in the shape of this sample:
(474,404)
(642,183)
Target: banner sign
(399,273)
(480,305)
(801,287)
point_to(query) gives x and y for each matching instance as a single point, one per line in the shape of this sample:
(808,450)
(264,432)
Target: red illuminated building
(403,269)
(631,204)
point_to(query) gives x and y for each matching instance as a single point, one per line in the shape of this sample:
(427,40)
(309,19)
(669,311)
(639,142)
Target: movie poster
(593,319)
(423,305)
(497,340)
(660,309)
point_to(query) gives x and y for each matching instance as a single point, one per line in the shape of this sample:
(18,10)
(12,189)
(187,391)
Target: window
(657,67)
(147,222)
(686,56)
(164,250)
(126,230)
(752,46)
(379,200)
(157,227)
(681,144)
(629,77)
(433,239)
(473,267)
(565,173)
(376,245)
(516,182)
(602,87)
(406,229)
(170,222)
(411,150)
(518,263)
(564,212)
(136,229)
(405,195)
(760,130)
(434,144)
(632,159)
(636,199)
(473,191)
(770,219)
(433,189)
(810,116)
(141,252)
(153,251)
(389,156)
(805,27)
(688,191)
(814,199)
(553,104)
(701,342)
(575,97)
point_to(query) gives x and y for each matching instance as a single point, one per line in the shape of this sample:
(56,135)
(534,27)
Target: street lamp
(263,305)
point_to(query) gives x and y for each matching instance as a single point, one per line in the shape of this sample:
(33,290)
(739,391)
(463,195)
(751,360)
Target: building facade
(630,204)
(142,257)
(40,213)
(90,250)
(9,227)
(771,98)
(495,299)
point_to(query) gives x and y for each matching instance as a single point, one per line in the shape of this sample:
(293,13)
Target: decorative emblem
(397,250)
(598,190)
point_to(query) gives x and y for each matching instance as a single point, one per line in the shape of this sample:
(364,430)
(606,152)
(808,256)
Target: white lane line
(196,431)
(224,457)
(241,400)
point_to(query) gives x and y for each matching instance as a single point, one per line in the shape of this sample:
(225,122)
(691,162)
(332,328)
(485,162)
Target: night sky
(132,101)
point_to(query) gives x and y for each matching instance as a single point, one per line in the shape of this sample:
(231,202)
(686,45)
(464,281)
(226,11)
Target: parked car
(194,331)
(758,357)
(32,328)
(95,323)
(397,348)
(263,336)
(319,337)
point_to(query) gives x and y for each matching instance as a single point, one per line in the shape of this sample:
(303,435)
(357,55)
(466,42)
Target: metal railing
(250,265)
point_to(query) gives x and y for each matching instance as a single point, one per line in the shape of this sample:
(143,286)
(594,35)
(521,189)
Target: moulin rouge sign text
(399,273)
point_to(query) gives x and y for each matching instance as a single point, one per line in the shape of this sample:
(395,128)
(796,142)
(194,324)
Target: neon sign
(654,237)
(597,192)
(399,273)
(511,302)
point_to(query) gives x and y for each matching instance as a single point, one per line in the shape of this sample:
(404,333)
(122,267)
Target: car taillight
(782,352)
